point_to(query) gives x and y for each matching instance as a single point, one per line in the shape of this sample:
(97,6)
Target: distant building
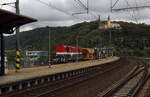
(109,24)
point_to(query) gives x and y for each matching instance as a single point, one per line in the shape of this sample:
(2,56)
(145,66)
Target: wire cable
(1,6)
(112,6)
(133,13)
(60,10)
(138,11)
(81,4)
(83,8)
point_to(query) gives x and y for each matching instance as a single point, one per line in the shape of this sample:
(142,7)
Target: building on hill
(109,24)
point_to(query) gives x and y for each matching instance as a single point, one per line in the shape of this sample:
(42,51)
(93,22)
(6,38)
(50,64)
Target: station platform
(29,73)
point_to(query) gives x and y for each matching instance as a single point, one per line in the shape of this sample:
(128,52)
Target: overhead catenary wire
(133,12)
(126,8)
(8,4)
(83,7)
(81,4)
(136,5)
(58,9)
(113,5)
(90,11)
(1,6)
(77,6)
(50,5)
(87,10)
(138,12)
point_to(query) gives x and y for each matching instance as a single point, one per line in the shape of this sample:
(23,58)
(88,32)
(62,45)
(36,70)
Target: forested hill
(38,39)
(131,36)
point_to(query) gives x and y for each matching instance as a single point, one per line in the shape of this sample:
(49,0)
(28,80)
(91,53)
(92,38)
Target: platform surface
(29,73)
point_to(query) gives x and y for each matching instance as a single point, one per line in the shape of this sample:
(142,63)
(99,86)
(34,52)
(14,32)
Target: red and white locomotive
(64,53)
(67,53)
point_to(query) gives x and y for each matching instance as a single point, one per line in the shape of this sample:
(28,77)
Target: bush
(147,52)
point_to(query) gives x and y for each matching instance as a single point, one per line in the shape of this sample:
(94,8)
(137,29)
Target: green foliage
(147,52)
(128,41)
(12,56)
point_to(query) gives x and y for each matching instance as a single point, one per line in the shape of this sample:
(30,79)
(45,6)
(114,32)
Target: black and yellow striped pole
(18,60)
(18,53)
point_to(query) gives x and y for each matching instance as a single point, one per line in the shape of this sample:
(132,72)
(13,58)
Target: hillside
(37,39)
(131,36)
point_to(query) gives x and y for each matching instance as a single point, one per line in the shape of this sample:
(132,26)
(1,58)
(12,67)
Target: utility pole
(110,38)
(18,53)
(99,24)
(99,21)
(17,7)
(111,5)
(49,47)
(17,29)
(2,66)
(77,45)
(87,6)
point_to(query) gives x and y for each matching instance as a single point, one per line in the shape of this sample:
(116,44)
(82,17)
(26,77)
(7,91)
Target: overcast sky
(48,16)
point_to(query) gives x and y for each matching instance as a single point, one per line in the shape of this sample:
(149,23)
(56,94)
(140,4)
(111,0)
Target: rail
(140,84)
(136,88)
(61,81)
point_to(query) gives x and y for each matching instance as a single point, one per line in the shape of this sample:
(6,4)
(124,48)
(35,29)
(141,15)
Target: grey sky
(48,16)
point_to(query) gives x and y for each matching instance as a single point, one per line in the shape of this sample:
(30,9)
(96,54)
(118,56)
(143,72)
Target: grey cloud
(49,16)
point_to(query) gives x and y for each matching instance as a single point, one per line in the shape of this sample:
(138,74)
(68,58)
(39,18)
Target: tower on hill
(109,24)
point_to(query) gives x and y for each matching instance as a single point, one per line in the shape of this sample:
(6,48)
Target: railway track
(51,88)
(131,85)
(145,89)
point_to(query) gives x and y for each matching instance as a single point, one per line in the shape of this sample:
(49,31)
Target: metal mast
(2,66)
(18,53)
(49,47)
(125,8)
(17,65)
(85,7)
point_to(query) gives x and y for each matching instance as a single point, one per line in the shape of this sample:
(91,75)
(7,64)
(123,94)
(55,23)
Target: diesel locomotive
(64,53)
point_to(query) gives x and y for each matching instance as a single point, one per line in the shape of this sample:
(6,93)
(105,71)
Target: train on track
(64,53)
